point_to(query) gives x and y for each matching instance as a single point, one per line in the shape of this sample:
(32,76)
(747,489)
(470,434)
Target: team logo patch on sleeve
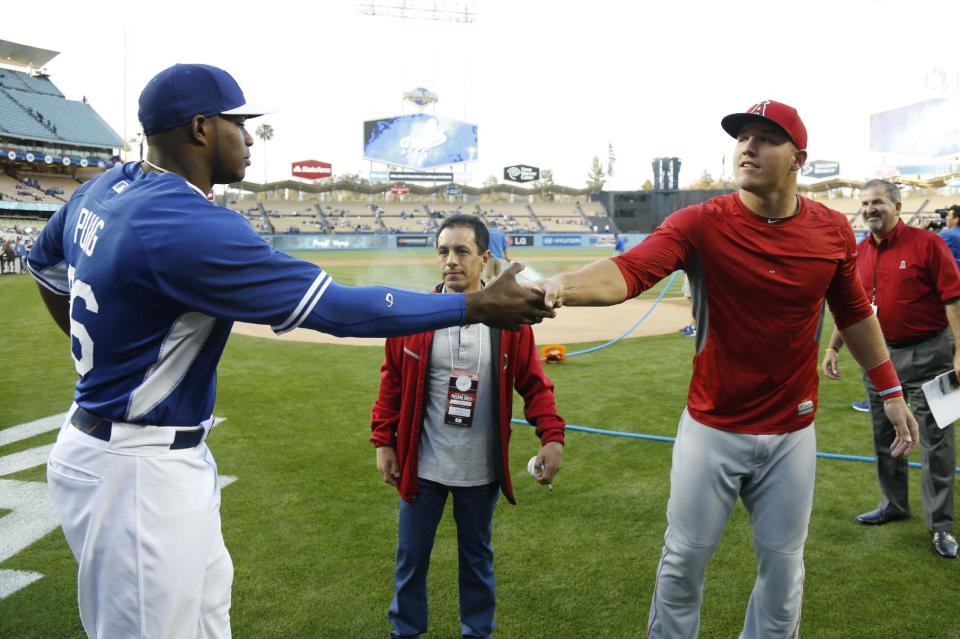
(805,407)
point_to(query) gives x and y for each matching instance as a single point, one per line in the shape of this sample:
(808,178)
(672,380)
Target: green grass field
(312,528)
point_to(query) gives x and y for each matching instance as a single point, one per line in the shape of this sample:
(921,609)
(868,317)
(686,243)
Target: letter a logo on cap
(759,108)
(782,115)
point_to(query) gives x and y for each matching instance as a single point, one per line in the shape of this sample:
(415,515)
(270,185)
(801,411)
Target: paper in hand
(943,398)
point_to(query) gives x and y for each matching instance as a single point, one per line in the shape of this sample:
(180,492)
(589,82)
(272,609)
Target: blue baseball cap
(175,95)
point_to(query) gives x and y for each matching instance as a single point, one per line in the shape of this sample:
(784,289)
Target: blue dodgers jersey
(156,276)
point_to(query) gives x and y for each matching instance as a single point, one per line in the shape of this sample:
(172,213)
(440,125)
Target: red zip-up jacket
(397,415)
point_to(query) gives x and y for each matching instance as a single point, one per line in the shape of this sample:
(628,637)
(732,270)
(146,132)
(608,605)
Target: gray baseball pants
(774,475)
(938,453)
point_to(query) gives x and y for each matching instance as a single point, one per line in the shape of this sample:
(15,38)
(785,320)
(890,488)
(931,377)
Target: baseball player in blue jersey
(147,276)
(498,262)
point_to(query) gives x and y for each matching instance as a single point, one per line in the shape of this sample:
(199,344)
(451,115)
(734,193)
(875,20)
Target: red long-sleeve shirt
(759,288)
(909,275)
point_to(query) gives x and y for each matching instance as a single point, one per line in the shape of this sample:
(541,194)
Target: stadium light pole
(438,10)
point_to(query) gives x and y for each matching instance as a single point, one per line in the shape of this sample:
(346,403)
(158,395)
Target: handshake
(506,303)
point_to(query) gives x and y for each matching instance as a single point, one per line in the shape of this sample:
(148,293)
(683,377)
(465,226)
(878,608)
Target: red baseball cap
(782,115)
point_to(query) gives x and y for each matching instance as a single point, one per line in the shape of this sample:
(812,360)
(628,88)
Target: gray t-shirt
(458,455)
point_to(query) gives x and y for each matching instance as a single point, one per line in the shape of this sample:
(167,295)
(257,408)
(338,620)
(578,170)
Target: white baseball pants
(774,475)
(143,522)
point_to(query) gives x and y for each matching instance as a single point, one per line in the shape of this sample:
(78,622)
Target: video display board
(420,141)
(927,129)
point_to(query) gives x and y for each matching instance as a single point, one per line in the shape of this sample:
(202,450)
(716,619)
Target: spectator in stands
(20,250)
(9,256)
(951,234)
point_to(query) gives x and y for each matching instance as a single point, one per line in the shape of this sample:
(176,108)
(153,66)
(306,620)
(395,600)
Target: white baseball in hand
(532,469)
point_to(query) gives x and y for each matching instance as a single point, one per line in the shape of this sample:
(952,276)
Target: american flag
(611,158)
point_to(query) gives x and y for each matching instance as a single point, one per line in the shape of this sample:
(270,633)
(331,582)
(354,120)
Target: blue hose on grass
(662,438)
(660,297)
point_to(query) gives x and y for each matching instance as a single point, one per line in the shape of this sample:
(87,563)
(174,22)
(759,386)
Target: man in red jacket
(441,425)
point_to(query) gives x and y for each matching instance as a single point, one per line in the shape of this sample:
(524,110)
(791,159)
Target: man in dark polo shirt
(913,283)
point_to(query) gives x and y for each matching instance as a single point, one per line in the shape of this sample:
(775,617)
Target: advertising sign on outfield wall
(413,240)
(562,240)
(520,240)
(314,242)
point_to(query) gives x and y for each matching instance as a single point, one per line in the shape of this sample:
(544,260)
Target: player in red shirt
(761,261)
(912,280)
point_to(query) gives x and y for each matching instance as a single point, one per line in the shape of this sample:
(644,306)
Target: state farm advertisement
(312,169)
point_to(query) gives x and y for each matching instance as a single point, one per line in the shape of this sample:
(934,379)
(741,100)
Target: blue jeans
(473,512)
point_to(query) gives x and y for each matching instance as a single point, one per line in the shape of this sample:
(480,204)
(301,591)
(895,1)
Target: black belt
(913,342)
(87,422)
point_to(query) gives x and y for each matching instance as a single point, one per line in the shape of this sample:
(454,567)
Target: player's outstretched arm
(865,341)
(506,304)
(375,311)
(598,284)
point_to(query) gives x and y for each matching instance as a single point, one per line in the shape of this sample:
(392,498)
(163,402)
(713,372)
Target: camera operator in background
(951,234)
